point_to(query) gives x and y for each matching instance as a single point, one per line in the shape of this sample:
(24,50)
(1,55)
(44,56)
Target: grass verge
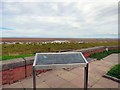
(96,55)
(115,71)
(13,57)
(101,55)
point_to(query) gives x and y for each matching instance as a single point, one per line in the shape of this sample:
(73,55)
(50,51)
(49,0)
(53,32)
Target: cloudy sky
(59,18)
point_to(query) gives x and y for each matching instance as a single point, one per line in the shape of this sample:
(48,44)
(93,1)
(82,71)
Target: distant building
(21,42)
(40,43)
(60,41)
(81,42)
(1,42)
(28,43)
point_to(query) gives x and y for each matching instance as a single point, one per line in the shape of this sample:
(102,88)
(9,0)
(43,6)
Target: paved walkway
(74,78)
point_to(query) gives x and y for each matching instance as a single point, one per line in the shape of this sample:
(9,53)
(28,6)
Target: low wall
(17,69)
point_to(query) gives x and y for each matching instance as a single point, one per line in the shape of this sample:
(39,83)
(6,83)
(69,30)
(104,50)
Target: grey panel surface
(46,59)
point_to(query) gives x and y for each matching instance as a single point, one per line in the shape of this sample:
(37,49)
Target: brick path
(74,78)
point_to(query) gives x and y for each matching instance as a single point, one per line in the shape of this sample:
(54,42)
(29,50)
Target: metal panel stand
(86,77)
(34,78)
(48,61)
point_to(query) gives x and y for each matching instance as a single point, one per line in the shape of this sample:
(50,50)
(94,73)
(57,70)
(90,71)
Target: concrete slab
(113,58)
(42,85)
(68,85)
(15,85)
(96,71)
(46,76)
(59,71)
(79,81)
(78,71)
(68,76)
(93,79)
(107,83)
(27,83)
(55,82)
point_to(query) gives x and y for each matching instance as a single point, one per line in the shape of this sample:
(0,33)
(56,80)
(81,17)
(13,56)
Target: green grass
(11,51)
(115,71)
(18,49)
(13,57)
(101,55)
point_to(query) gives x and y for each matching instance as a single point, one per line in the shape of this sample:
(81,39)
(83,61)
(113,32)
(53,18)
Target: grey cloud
(108,11)
(88,23)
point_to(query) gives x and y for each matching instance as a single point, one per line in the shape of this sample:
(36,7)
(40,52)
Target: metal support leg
(86,77)
(34,79)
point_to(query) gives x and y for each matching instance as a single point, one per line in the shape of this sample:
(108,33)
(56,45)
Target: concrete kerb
(19,62)
(112,78)
(13,63)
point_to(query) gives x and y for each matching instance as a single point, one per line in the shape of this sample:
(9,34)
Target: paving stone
(119,85)
(27,83)
(59,71)
(96,71)
(95,76)
(68,76)
(14,85)
(42,85)
(113,58)
(55,82)
(102,69)
(68,85)
(79,81)
(112,83)
(106,83)
(97,86)
(78,71)
(115,88)
(46,76)
(92,81)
